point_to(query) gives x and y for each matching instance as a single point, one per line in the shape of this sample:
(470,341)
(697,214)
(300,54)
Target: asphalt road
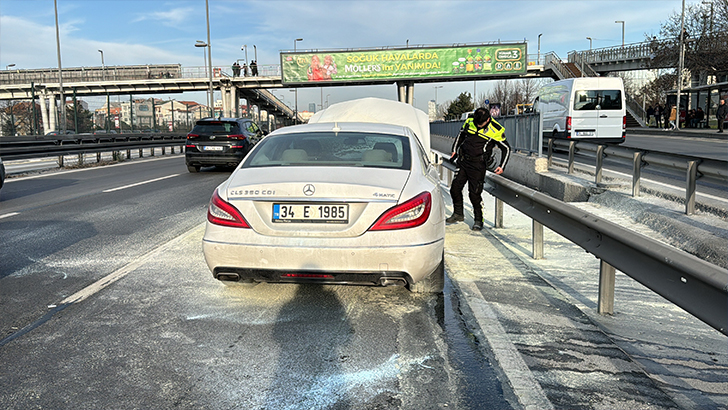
(694,146)
(106,302)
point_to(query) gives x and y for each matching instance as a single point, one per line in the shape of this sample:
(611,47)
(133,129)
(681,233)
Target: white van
(584,108)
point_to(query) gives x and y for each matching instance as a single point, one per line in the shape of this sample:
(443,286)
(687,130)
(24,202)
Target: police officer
(473,150)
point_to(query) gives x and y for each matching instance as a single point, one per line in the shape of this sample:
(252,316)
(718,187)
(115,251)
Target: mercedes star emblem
(309,189)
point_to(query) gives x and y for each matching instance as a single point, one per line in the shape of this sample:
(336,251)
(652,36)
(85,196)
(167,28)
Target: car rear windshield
(587,100)
(216,127)
(332,149)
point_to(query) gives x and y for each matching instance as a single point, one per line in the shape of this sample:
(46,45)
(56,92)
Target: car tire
(193,169)
(435,283)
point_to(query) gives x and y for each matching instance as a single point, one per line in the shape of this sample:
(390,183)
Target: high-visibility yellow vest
(493,131)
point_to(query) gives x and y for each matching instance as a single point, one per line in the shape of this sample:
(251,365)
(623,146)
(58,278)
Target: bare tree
(442,109)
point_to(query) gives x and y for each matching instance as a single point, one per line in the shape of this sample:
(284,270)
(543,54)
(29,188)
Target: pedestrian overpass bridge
(173,78)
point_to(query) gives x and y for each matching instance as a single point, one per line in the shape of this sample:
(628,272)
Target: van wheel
(435,283)
(193,169)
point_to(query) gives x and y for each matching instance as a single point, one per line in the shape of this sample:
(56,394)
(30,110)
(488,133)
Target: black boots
(455,218)
(477,226)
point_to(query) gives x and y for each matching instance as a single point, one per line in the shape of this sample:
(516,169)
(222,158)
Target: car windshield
(332,149)
(215,127)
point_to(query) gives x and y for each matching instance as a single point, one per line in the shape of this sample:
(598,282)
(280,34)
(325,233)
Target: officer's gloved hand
(490,163)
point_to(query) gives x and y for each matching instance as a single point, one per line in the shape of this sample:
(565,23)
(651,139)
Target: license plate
(311,213)
(212,148)
(585,133)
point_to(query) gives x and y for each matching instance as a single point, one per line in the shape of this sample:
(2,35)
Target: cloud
(172,18)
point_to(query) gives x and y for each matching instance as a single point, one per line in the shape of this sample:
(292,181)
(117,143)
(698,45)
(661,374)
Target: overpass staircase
(576,66)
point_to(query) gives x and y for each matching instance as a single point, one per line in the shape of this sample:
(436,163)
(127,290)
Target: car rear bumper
(345,264)
(198,158)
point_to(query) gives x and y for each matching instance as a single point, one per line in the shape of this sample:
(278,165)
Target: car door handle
(603,116)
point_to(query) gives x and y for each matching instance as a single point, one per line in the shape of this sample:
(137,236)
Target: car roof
(379,111)
(366,127)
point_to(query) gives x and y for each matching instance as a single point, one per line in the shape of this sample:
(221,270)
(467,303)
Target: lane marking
(524,383)
(9,215)
(107,280)
(72,171)
(141,183)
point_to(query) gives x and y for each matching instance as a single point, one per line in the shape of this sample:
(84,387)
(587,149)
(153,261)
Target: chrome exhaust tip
(392,282)
(228,277)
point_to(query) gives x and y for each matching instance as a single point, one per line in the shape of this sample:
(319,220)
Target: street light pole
(60,73)
(255,49)
(245,49)
(9,65)
(295,121)
(590,42)
(436,87)
(621,21)
(539,48)
(103,66)
(680,66)
(203,45)
(209,58)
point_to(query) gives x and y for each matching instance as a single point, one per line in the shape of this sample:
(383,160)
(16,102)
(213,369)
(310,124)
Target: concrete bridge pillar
(224,99)
(52,113)
(43,111)
(406,92)
(234,105)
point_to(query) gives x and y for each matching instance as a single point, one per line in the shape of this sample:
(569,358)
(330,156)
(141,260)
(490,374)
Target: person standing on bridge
(721,114)
(473,152)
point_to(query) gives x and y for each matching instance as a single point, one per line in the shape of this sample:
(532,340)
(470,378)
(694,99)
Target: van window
(587,100)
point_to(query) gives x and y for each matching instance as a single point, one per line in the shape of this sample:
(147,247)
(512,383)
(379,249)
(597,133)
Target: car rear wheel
(193,168)
(434,283)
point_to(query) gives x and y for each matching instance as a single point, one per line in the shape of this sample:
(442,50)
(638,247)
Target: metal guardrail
(42,146)
(692,166)
(694,285)
(525,138)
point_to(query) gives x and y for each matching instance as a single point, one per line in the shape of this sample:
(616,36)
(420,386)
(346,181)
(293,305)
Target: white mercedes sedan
(331,202)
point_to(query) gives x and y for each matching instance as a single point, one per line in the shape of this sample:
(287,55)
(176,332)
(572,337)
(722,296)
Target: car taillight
(236,137)
(407,215)
(624,122)
(223,213)
(192,135)
(568,124)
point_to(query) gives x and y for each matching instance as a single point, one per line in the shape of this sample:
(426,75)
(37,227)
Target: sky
(164,32)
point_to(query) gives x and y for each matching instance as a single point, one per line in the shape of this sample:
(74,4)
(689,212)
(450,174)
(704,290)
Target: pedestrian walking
(721,114)
(245,69)
(658,115)
(254,68)
(473,152)
(672,117)
(236,69)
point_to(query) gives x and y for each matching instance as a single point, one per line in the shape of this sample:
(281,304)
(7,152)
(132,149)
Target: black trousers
(471,172)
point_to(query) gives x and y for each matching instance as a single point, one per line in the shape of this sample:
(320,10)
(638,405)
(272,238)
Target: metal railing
(522,131)
(91,74)
(698,287)
(692,167)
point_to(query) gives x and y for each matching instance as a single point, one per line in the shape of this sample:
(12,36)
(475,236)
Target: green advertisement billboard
(388,65)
